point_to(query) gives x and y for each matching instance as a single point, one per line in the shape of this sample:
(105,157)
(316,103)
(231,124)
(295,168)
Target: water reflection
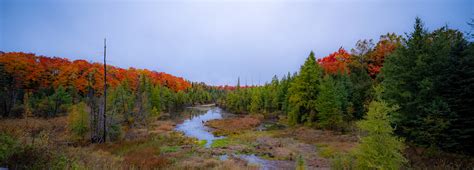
(193,125)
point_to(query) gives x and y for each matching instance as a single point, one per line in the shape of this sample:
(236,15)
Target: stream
(193,126)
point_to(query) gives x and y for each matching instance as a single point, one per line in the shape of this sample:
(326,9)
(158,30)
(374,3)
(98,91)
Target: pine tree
(303,92)
(344,90)
(361,84)
(424,77)
(60,100)
(329,104)
(257,103)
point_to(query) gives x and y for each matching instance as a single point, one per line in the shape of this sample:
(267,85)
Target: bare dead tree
(105,93)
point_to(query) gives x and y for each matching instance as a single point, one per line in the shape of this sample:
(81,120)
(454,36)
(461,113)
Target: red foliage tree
(336,62)
(386,45)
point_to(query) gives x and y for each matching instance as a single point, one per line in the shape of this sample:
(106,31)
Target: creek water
(193,126)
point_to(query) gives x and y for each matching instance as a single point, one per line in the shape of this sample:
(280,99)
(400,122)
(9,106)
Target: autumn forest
(397,102)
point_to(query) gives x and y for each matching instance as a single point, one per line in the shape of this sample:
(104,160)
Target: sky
(213,41)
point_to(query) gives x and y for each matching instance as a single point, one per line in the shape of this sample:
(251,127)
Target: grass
(168,149)
(327,151)
(219,143)
(31,145)
(202,143)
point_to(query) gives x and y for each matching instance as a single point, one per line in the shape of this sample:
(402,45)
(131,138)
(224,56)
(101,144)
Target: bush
(78,120)
(114,131)
(16,156)
(342,161)
(17,111)
(300,164)
(8,145)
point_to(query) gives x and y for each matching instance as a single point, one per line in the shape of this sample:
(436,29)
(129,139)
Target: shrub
(8,145)
(78,120)
(300,164)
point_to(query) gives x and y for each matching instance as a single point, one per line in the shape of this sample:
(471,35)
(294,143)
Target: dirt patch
(234,125)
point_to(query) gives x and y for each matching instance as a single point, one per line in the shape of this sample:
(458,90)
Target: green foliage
(327,151)
(55,104)
(379,149)
(269,98)
(300,164)
(121,100)
(7,91)
(168,149)
(361,84)
(257,103)
(431,78)
(202,143)
(303,92)
(219,143)
(8,146)
(114,131)
(79,120)
(342,161)
(61,100)
(16,156)
(329,104)
(154,112)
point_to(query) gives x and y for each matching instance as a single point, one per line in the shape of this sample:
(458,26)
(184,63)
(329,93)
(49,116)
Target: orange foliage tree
(386,45)
(336,62)
(35,72)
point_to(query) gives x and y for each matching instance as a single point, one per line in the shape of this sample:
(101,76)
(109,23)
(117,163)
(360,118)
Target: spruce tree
(329,104)
(304,91)
(430,77)
(257,103)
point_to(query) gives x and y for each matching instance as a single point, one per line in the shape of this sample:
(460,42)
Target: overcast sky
(213,41)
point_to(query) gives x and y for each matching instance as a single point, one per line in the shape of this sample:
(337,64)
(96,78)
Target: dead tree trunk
(104,137)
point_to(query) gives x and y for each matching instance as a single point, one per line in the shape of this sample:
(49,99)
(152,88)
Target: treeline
(427,76)
(27,76)
(40,86)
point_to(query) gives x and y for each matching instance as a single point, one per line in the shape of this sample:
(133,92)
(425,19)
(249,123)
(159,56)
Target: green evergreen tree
(431,77)
(257,103)
(343,92)
(361,84)
(379,149)
(303,92)
(329,104)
